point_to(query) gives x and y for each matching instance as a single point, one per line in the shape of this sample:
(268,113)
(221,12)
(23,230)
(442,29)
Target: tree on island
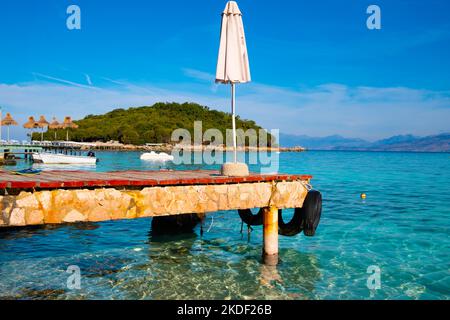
(150,124)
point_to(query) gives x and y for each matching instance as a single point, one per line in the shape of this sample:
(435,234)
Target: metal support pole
(233,111)
(270,235)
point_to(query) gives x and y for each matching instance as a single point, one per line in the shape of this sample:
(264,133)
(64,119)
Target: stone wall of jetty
(81,205)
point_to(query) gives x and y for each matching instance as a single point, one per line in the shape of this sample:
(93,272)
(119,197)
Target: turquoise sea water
(402,227)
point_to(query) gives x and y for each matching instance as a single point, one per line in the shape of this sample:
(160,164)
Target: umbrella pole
(233,109)
(8,132)
(42,134)
(67,135)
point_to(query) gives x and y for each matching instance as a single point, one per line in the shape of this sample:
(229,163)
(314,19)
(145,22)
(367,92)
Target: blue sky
(316,68)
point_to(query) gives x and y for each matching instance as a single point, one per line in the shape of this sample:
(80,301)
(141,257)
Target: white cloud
(199,75)
(88,79)
(202,77)
(54,79)
(365,112)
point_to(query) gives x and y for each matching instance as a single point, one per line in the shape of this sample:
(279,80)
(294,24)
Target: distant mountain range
(435,143)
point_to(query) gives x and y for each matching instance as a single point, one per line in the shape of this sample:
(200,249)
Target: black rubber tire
(293,227)
(175,224)
(311,212)
(305,219)
(251,219)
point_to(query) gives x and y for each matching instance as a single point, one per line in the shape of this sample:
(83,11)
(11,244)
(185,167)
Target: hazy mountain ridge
(433,143)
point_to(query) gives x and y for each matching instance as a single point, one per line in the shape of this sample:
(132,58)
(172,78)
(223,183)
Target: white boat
(153,156)
(58,158)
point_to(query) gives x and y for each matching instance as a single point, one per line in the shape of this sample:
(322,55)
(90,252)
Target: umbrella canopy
(31,123)
(68,123)
(8,120)
(42,123)
(55,124)
(232,63)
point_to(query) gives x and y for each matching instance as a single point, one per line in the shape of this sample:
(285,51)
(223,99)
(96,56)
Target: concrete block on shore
(233,169)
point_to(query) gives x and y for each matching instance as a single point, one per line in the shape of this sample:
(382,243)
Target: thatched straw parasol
(69,124)
(55,125)
(8,121)
(42,123)
(31,124)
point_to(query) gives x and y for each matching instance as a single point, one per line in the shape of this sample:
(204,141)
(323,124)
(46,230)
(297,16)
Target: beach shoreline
(170,147)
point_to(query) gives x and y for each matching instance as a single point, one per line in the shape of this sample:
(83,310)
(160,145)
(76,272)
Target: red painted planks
(78,179)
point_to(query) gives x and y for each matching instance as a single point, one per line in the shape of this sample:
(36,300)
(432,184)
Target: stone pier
(100,204)
(55,197)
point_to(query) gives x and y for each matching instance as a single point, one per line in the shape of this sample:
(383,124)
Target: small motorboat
(59,158)
(153,156)
(27,172)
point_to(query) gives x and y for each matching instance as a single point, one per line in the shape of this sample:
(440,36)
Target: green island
(148,124)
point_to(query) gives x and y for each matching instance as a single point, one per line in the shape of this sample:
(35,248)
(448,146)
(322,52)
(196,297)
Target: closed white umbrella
(232,64)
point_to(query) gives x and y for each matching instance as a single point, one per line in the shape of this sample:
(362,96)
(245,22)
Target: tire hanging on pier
(305,219)
(293,227)
(312,212)
(182,223)
(251,219)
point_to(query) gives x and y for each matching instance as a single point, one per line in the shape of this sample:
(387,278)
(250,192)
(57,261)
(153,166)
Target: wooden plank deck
(59,179)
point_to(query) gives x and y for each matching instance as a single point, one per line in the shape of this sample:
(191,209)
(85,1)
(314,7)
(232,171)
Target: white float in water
(153,156)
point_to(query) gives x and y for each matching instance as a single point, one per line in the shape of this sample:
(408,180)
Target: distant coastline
(399,143)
